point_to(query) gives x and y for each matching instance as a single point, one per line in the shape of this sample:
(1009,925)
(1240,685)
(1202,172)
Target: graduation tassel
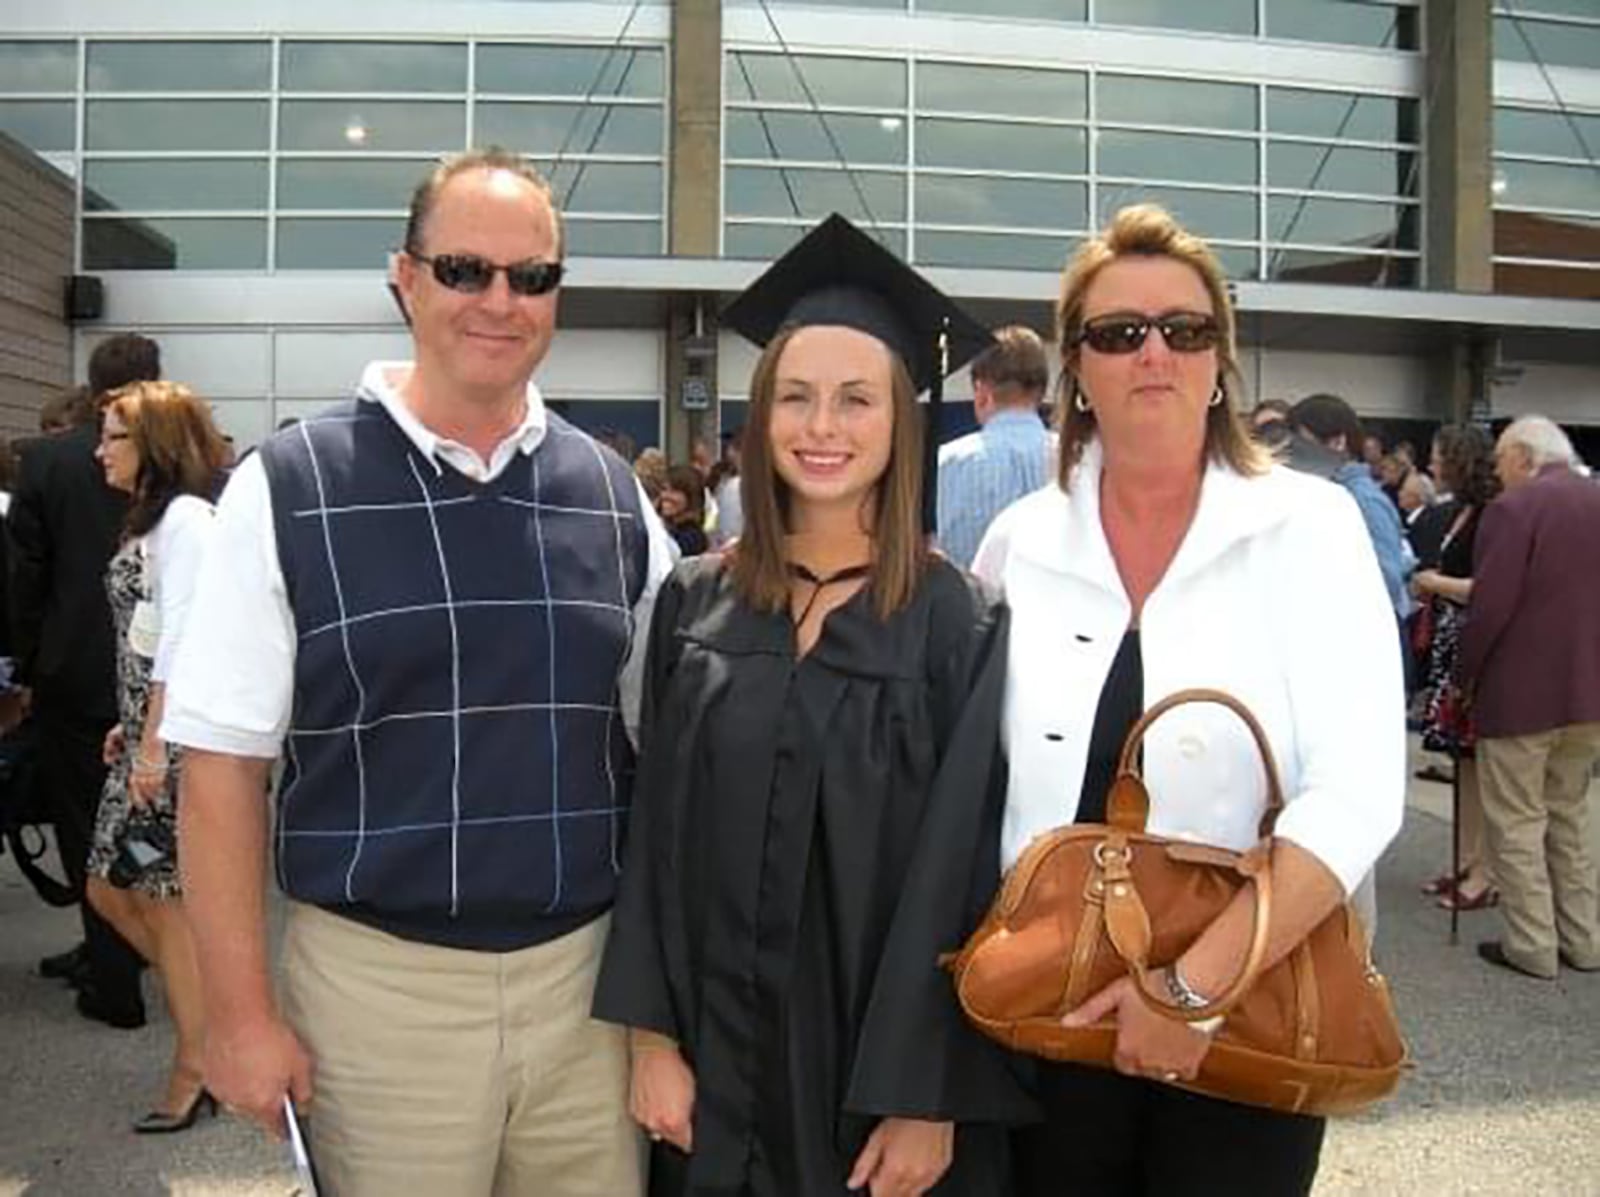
(930,435)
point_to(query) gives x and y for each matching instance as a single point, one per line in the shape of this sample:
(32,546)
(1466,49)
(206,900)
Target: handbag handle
(1128,763)
(1127,922)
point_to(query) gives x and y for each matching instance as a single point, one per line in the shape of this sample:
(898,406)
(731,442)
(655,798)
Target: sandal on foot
(1459,899)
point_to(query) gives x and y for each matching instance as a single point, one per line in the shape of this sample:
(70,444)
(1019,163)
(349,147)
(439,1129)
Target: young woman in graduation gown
(816,819)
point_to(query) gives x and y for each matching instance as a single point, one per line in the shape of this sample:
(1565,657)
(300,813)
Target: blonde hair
(1149,231)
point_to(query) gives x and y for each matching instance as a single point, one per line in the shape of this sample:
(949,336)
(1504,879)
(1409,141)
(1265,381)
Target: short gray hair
(1424,485)
(1543,439)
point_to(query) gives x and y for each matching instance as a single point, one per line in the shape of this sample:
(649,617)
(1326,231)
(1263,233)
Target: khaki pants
(1536,816)
(471,1074)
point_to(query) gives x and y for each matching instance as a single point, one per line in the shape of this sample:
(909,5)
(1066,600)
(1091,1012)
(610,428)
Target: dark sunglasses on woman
(472,275)
(1184,332)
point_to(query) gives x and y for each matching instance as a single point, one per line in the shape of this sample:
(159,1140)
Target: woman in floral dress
(159,444)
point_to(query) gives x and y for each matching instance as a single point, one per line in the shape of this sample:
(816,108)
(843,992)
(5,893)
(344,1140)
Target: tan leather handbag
(1314,1034)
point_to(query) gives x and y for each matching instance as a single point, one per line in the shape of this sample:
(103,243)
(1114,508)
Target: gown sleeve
(917,1056)
(632,988)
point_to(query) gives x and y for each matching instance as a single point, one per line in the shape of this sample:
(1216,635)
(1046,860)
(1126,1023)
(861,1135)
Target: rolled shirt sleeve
(231,685)
(178,546)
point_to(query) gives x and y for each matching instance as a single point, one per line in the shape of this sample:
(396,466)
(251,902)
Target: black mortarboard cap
(838,275)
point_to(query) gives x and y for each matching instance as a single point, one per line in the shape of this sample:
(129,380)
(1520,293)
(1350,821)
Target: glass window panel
(758,191)
(763,242)
(176,125)
(1328,168)
(1554,8)
(849,82)
(1238,261)
(1214,16)
(1342,22)
(177,243)
(547,128)
(606,186)
(1355,270)
(1340,114)
(1526,131)
(338,243)
(990,145)
(180,66)
(1218,214)
(372,125)
(571,71)
(362,183)
(614,238)
(986,200)
(1177,156)
(1535,235)
(1542,185)
(1340,222)
(1041,10)
(38,66)
(879,140)
(1141,100)
(1555,43)
(175,184)
(1007,251)
(373,66)
(1002,91)
(41,125)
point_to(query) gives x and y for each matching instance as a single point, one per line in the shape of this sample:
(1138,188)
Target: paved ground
(1504,1099)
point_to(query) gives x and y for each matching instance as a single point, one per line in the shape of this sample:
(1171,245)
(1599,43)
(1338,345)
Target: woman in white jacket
(159,445)
(1173,553)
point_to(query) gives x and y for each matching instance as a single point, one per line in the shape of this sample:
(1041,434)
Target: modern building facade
(1406,194)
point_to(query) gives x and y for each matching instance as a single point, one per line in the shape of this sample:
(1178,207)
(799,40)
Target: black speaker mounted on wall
(85,298)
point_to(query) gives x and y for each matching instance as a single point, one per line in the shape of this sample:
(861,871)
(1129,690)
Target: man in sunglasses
(432,600)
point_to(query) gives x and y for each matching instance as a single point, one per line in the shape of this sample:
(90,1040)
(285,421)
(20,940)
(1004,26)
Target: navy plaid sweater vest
(457,770)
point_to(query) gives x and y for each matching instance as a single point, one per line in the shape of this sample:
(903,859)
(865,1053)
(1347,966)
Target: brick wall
(35,259)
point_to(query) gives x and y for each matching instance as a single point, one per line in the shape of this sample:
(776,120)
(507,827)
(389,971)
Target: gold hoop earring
(1079,401)
(1217,396)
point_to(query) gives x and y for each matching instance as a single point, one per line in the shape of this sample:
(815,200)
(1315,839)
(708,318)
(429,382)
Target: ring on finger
(1169,1077)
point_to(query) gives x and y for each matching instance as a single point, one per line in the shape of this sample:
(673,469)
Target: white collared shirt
(232,688)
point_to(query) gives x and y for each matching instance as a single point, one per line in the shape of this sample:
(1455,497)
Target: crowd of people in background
(158,628)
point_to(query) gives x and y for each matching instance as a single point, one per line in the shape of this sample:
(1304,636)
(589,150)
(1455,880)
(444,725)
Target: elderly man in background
(1530,654)
(1012,453)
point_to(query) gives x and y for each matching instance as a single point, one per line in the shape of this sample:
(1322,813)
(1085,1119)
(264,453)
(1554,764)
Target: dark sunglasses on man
(1184,332)
(473,275)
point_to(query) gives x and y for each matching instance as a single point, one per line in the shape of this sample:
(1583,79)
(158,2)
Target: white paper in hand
(298,1151)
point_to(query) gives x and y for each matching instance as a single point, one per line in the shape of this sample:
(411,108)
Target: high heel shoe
(159,1122)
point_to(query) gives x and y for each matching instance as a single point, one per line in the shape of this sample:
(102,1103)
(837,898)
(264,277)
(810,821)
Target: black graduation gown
(807,836)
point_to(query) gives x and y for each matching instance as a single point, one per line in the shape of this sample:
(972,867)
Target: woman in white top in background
(1173,553)
(159,444)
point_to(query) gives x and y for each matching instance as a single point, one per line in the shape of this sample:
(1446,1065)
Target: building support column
(694,213)
(1458,230)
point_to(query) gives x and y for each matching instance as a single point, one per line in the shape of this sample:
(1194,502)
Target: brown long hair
(1149,230)
(760,571)
(180,450)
